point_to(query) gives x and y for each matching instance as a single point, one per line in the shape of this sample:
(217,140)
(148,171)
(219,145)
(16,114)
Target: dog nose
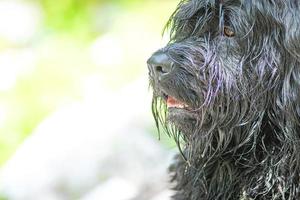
(160,64)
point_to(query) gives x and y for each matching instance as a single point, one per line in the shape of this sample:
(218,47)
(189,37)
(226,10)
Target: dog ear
(291,79)
(286,106)
(291,88)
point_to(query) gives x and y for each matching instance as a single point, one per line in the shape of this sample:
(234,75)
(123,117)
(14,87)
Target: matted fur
(241,139)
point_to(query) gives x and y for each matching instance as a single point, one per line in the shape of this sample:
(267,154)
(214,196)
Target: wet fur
(241,140)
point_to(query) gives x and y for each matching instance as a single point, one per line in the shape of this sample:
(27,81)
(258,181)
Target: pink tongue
(171,102)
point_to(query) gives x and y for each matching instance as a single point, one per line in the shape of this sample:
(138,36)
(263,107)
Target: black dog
(227,88)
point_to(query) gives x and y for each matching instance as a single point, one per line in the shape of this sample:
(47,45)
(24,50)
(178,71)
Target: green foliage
(75,15)
(3,198)
(66,14)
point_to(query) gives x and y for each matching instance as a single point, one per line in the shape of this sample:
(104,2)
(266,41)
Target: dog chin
(184,120)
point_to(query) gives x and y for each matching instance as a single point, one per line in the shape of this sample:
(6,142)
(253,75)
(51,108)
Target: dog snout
(159,64)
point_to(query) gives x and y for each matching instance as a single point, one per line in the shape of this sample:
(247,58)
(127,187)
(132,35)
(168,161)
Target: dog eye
(228,31)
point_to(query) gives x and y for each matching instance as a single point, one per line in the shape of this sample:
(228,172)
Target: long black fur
(241,139)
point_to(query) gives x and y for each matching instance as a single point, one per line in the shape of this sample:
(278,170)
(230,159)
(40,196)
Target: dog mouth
(174,103)
(180,114)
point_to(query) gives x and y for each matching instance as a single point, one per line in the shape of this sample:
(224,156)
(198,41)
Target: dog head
(230,68)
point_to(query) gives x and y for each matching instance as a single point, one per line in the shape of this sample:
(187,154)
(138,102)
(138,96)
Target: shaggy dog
(227,88)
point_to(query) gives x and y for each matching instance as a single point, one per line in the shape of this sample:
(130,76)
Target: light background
(69,63)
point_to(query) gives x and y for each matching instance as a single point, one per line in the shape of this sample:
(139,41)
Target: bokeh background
(75,117)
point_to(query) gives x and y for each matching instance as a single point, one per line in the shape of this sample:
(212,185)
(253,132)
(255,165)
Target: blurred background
(75,113)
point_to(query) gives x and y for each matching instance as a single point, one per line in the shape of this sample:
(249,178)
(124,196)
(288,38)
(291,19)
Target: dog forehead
(251,9)
(250,4)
